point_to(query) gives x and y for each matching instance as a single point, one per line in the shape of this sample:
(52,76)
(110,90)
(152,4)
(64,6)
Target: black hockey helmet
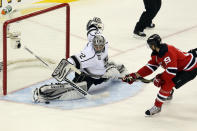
(155,40)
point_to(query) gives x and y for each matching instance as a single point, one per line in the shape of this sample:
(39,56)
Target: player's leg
(141,24)
(165,91)
(183,77)
(156,5)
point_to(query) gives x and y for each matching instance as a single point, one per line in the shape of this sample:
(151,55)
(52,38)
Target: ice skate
(138,34)
(153,110)
(37,98)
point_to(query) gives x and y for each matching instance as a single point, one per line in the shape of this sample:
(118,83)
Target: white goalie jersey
(88,61)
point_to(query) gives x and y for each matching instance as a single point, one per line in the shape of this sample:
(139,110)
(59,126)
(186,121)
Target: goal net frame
(20,18)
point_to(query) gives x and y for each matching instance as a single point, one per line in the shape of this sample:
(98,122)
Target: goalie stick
(37,57)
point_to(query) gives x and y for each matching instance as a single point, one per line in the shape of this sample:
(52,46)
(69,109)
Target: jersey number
(82,56)
(167,60)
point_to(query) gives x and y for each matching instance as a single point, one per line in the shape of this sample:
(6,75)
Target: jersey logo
(167,60)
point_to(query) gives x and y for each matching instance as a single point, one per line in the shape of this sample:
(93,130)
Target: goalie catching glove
(114,71)
(95,22)
(111,73)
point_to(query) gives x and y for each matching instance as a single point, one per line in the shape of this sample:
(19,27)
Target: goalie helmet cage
(27,16)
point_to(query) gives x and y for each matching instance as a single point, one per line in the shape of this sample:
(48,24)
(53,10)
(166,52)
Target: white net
(45,37)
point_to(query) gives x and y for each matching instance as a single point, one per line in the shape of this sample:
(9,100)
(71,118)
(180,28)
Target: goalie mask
(98,43)
(95,22)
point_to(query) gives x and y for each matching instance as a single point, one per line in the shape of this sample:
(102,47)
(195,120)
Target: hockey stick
(141,79)
(37,57)
(145,80)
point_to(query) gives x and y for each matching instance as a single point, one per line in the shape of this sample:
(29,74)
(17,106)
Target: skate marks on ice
(118,91)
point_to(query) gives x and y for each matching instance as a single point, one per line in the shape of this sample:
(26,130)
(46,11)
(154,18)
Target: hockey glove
(111,73)
(97,20)
(130,78)
(158,81)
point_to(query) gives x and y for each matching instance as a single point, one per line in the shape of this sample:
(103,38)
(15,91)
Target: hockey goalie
(91,67)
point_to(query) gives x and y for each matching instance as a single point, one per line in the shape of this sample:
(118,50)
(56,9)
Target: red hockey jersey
(171,59)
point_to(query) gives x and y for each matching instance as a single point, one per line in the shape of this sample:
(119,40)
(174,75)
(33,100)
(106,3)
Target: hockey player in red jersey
(179,68)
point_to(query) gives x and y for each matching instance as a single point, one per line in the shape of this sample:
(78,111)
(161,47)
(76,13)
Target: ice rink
(176,23)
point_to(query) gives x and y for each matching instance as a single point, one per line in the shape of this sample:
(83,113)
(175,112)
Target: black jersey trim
(92,29)
(172,70)
(153,67)
(191,63)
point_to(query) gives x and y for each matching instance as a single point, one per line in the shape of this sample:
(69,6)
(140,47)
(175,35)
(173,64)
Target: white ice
(176,22)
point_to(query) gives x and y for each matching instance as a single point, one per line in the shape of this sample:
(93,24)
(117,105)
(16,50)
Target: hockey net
(33,39)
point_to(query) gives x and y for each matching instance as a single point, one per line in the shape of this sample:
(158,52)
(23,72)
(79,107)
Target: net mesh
(44,35)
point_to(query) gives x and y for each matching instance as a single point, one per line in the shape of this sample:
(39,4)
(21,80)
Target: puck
(47,102)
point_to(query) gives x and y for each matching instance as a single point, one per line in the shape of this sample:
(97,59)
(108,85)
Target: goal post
(23,18)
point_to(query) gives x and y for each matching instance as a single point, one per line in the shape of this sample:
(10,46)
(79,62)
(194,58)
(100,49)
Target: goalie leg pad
(57,91)
(120,67)
(50,92)
(73,94)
